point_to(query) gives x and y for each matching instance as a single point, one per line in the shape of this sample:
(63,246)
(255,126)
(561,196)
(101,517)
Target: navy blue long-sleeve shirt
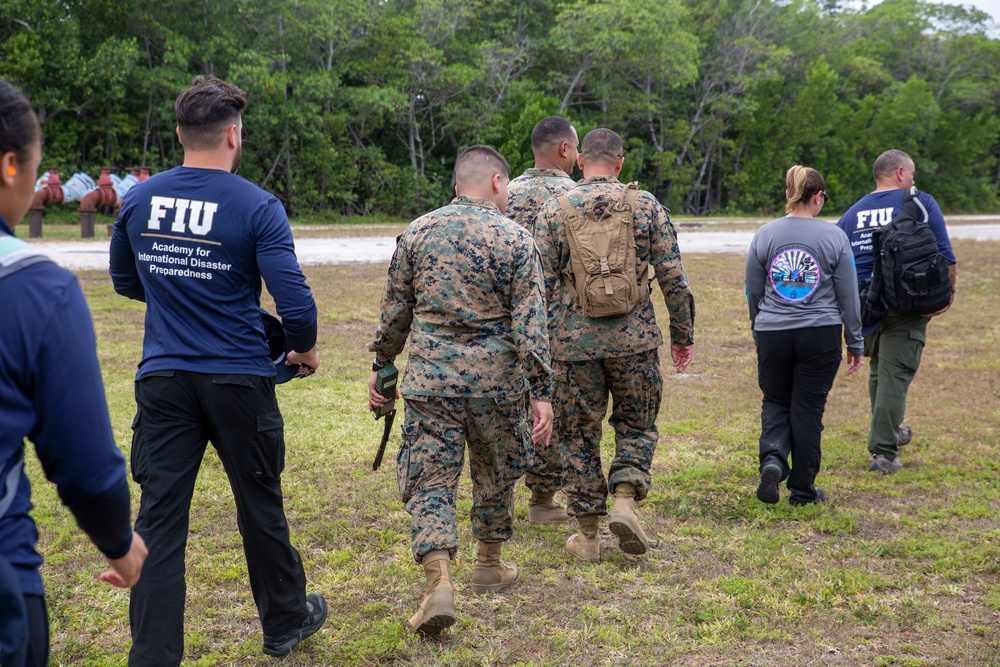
(194,244)
(877,209)
(51,393)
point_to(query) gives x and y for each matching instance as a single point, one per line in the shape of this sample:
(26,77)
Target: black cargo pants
(795,370)
(178,413)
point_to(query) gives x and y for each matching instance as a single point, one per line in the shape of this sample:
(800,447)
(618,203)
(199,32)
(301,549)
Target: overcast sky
(991,7)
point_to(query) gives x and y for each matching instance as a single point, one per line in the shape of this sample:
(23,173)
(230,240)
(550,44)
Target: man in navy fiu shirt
(894,344)
(193,243)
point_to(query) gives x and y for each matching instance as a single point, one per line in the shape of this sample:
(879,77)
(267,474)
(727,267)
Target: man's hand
(681,355)
(855,362)
(125,571)
(542,430)
(307,362)
(375,399)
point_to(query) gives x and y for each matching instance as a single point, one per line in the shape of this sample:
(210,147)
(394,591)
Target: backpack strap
(15,254)
(625,206)
(9,482)
(911,199)
(626,203)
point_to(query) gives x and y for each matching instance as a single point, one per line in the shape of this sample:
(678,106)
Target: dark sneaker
(905,435)
(767,490)
(798,502)
(880,463)
(315,616)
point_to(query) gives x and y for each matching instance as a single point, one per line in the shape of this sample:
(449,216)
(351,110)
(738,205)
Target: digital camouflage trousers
(635,385)
(435,433)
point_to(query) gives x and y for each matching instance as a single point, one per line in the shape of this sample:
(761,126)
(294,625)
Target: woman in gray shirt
(801,289)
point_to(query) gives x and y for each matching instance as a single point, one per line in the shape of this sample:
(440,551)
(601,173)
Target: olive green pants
(895,349)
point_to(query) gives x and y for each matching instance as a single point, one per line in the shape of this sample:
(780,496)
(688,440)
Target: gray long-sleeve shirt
(800,274)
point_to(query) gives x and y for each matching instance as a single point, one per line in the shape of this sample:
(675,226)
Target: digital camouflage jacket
(528,193)
(576,337)
(465,284)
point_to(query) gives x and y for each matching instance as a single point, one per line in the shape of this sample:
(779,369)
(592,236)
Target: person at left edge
(51,393)
(194,243)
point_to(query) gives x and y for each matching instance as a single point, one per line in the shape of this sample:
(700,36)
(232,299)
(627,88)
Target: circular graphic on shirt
(794,274)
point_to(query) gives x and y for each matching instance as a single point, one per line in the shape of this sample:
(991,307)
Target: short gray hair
(888,162)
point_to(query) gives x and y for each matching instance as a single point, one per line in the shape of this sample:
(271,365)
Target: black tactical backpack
(909,272)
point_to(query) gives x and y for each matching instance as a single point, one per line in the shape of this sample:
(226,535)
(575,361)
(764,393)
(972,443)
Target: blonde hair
(801,184)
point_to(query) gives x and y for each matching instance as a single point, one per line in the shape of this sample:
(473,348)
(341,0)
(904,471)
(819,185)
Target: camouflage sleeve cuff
(682,324)
(381,360)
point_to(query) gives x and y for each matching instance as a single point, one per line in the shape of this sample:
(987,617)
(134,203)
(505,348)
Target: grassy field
(898,570)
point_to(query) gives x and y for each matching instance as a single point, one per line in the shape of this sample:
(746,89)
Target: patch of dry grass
(892,571)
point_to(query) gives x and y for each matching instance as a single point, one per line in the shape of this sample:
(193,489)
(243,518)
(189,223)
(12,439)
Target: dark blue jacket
(194,245)
(51,393)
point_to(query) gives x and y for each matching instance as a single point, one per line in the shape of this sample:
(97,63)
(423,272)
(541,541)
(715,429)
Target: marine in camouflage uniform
(554,144)
(530,191)
(617,355)
(465,286)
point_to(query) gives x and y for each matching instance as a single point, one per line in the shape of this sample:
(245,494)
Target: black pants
(795,370)
(178,413)
(38,631)
(24,623)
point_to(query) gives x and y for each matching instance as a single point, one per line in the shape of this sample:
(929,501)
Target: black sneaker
(315,616)
(798,502)
(767,490)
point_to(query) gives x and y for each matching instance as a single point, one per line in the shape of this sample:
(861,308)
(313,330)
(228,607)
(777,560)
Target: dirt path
(82,255)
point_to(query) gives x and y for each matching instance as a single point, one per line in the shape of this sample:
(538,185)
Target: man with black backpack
(908,276)
(601,244)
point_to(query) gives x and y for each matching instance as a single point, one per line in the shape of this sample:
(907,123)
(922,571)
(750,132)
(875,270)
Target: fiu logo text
(876,217)
(195,215)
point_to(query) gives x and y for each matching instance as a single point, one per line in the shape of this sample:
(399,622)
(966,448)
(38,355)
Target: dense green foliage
(361,106)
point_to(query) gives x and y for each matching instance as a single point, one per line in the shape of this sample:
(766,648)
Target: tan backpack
(602,256)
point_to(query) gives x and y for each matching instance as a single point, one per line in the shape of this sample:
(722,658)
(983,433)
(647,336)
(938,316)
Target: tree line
(361,106)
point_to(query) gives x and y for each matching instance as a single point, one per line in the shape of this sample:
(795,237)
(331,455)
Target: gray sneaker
(905,435)
(880,463)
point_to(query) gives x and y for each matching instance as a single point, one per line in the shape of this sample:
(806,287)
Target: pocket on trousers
(267,456)
(251,381)
(910,353)
(404,476)
(136,459)
(517,454)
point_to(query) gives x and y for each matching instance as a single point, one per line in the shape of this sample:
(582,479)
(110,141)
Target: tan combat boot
(625,524)
(492,575)
(437,609)
(586,545)
(543,510)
